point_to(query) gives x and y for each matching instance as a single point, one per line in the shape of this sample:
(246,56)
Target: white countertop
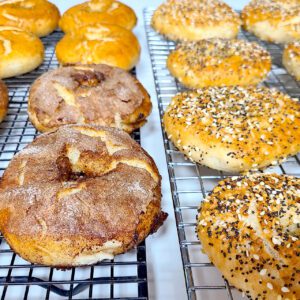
(164,265)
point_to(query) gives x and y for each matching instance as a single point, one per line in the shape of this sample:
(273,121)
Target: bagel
(275,21)
(219,62)
(79,195)
(234,129)
(98,11)
(3,100)
(193,20)
(100,44)
(37,16)
(20,52)
(249,228)
(291,59)
(88,94)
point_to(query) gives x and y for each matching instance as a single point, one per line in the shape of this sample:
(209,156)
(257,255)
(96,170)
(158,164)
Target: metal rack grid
(125,277)
(191,182)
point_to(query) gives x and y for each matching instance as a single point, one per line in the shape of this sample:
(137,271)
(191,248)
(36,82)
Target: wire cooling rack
(125,277)
(191,182)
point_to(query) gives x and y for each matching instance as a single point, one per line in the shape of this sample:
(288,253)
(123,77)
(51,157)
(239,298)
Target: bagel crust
(20,52)
(88,94)
(234,129)
(291,59)
(37,16)
(275,21)
(99,44)
(98,11)
(194,20)
(3,100)
(219,62)
(249,228)
(79,195)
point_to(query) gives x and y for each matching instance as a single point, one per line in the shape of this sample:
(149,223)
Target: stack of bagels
(84,191)
(248,225)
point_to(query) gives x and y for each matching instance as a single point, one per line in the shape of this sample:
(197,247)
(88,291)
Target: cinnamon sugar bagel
(249,228)
(20,51)
(291,59)
(37,16)
(234,129)
(193,20)
(98,11)
(3,100)
(219,62)
(273,20)
(88,94)
(79,195)
(100,44)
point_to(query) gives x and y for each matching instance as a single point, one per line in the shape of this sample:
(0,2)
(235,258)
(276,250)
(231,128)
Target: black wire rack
(125,277)
(191,182)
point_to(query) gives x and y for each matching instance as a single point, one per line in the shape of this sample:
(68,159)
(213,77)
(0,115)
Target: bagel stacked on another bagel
(234,129)
(100,43)
(79,195)
(88,94)
(98,11)
(219,62)
(20,51)
(37,16)
(273,20)
(193,20)
(249,228)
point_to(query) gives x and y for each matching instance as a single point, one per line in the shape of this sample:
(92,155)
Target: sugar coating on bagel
(196,20)
(20,51)
(249,228)
(219,62)
(273,20)
(3,100)
(88,94)
(291,59)
(79,195)
(98,11)
(234,129)
(37,16)
(100,44)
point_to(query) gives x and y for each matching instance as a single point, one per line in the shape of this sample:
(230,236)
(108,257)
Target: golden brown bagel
(249,228)
(3,100)
(273,20)
(20,51)
(100,44)
(219,62)
(193,20)
(88,94)
(234,129)
(291,59)
(98,11)
(79,195)
(37,16)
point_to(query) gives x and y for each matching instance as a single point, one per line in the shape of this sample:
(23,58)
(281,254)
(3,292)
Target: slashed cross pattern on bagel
(79,195)
(88,94)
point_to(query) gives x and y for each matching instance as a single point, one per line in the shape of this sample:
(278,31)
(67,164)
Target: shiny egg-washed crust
(273,20)
(98,11)
(3,100)
(20,51)
(37,16)
(249,228)
(100,44)
(88,94)
(219,62)
(193,20)
(234,129)
(79,195)
(291,59)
